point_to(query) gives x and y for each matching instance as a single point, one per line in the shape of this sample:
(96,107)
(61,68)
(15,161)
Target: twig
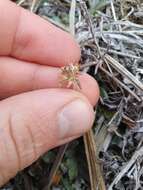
(122,85)
(56,165)
(122,54)
(136,155)
(84,8)
(115,79)
(122,70)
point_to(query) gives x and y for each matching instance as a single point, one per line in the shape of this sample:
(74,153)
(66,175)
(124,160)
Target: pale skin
(35,114)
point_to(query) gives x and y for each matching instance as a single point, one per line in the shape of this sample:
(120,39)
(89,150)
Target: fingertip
(69,50)
(76,52)
(90,88)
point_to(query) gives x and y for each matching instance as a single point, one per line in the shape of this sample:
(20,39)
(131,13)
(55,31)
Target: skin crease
(31,54)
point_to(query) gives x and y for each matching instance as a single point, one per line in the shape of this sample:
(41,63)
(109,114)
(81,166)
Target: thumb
(35,122)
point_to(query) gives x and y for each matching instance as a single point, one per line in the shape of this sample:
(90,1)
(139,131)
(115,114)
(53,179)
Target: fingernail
(75,118)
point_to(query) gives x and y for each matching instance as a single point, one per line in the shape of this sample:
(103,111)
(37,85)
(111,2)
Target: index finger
(28,37)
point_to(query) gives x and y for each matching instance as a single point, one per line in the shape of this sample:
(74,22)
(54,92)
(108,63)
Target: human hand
(36,115)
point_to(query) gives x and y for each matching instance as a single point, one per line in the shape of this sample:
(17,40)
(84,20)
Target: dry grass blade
(96,178)
(72,17)
(113,10)
(34,5)
(20,2)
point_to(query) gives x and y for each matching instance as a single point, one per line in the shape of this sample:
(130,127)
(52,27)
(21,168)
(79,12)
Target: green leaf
(49,157)
(103,93)
(72,168)
(66,184)
(97,5)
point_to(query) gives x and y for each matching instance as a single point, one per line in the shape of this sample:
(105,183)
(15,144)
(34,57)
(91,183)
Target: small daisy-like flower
(69,76)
